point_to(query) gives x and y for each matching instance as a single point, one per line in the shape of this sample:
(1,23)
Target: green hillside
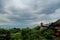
(29,33)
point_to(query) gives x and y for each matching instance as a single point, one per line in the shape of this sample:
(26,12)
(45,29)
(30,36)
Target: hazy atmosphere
(25,13)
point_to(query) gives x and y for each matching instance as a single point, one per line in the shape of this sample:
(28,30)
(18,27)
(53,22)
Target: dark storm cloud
(51,8)
(2,9)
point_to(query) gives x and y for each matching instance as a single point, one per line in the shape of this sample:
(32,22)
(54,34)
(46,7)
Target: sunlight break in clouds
(19,4)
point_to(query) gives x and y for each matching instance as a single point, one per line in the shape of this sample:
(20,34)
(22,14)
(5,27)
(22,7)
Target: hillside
(29,33)
(58,21)
(56,24)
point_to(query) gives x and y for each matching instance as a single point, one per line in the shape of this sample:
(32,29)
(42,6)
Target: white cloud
(56,14)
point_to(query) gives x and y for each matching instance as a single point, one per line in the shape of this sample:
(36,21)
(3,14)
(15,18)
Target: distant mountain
(6,26)
(10,26)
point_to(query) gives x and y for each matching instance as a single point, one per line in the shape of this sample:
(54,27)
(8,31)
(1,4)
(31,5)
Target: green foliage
(15,30)
(29,34)
(2,31)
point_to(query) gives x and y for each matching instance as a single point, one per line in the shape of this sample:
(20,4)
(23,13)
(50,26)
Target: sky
(26,13)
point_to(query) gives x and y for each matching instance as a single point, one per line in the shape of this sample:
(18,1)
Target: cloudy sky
(28,12)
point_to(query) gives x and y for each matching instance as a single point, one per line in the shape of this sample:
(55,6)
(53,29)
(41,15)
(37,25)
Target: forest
(36,33)
(28,34)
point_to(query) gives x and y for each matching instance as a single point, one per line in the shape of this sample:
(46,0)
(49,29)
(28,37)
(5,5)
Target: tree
(8,35)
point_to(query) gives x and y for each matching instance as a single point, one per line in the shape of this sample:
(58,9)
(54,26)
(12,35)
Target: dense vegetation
(37,33)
